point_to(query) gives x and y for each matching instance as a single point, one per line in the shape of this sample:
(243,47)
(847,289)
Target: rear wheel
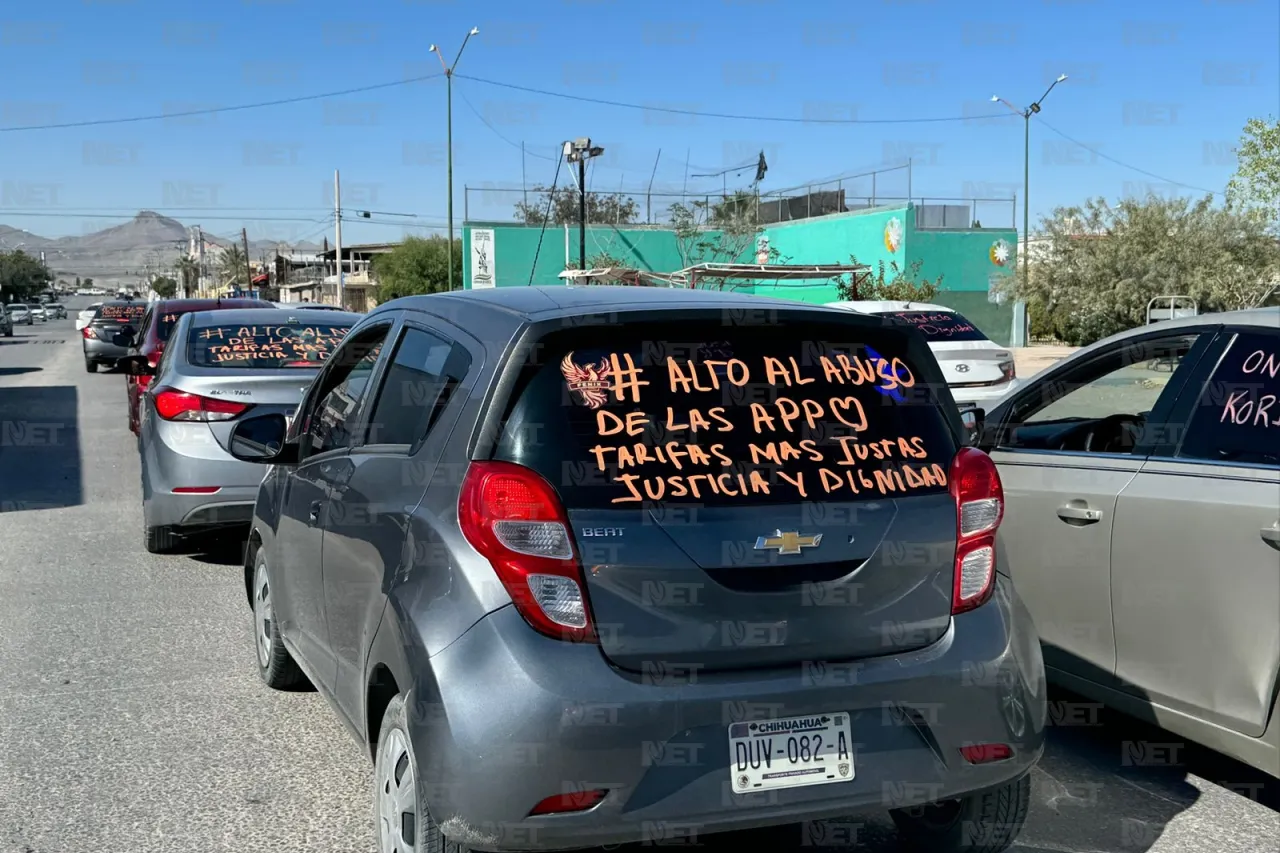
(160,540)
(403,821)
(275,665)
(988,822)
(91,366)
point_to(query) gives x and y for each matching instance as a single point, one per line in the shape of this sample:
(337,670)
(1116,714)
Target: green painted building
(972,261)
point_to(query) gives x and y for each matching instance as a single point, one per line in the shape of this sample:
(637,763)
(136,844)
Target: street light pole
(580,151)
(448,80)
(1026,177)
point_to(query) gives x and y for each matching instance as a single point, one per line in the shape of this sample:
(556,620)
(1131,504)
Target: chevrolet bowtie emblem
(787,543)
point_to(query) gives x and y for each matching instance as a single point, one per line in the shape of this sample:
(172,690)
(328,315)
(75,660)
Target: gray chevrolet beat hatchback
(581,565)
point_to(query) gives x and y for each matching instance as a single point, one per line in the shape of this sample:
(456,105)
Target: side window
(1237,418)
(340,396)
(1105,406)
(420,378)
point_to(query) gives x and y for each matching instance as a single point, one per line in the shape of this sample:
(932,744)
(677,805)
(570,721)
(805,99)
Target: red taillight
(975,485)
(197,490)
(89,333)
(515,520)
(579,801)
(985,753)
(180,406)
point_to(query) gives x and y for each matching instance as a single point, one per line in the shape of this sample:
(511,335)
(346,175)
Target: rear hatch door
(774,494)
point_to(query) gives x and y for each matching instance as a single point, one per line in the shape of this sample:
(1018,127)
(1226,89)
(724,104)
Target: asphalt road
(132,717)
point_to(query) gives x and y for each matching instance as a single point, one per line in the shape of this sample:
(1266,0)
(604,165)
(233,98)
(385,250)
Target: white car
(39,313)
(85,317)
(978,370)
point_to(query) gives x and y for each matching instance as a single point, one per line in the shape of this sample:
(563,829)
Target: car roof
(1263,318)
(207,304)
(886,306)
(536,304)
(228,316)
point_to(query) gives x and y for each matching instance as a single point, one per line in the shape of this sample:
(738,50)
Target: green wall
(963,257)
(516,245)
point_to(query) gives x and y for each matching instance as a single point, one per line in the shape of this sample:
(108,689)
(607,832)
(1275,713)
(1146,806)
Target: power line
(733,116)
(1095,152)
(215,110)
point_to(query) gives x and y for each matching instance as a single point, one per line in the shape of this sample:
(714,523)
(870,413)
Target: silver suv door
(1196,552)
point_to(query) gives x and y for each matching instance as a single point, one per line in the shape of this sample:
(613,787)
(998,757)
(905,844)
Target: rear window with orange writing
(627,419)
(116,312)
(265,347)
(940,325)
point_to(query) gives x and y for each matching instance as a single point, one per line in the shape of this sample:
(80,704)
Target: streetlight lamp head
(596,151)
(995,99)
(475,31)
(1061,77)
(433,49)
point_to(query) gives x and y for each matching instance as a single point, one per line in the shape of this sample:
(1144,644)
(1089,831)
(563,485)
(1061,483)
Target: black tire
(988,822)
(276,666)
(161,540)
(90,366)
(426,832)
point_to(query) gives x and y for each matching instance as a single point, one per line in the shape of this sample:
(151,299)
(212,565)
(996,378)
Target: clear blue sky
(1163,86)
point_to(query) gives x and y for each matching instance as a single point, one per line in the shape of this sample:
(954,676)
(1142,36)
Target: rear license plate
(790,753)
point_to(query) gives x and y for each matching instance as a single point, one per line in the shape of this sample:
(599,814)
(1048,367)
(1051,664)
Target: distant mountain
(122,252)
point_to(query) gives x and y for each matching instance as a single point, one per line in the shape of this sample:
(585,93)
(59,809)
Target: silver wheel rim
(397,795)
(263,615)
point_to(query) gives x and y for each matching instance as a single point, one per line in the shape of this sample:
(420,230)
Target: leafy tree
(602,208)
(718,232)
(232,265)
(1256,185)
(1103,264)
(78,285)
(418,265)
(88,282)
(889,283)
(165,286)
(601,260)
(188,273)
(22,277)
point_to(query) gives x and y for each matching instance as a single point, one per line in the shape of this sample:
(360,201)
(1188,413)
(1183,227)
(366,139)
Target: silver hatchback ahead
(218,366)
(576,563)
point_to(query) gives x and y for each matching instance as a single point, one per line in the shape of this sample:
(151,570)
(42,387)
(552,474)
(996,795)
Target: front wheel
(987,822)
(402,819)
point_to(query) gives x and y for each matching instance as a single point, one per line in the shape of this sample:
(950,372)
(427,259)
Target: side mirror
(136,365)
(975,421)
(262,439)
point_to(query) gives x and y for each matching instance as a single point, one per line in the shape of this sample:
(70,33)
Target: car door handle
(1271,535)
(313,517)
(1083,514)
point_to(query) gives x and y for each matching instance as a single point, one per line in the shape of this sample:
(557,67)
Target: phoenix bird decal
(591,381)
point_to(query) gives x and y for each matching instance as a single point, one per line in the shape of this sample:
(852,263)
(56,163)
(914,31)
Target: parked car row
(612,524)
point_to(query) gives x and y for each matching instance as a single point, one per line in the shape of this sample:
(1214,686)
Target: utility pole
(580,151)
(248,270)
(337,237)
(1025,251)
(448,79)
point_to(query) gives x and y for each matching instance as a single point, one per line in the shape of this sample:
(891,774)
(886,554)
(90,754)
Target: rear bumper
(986,396)
(166,468)
(96,350)
(519,718)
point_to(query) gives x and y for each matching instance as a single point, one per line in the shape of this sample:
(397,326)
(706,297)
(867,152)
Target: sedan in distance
(1143,526)
(978,370)
(638,543)
(217,367)
(102,341)
(21,314)
(39,312)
